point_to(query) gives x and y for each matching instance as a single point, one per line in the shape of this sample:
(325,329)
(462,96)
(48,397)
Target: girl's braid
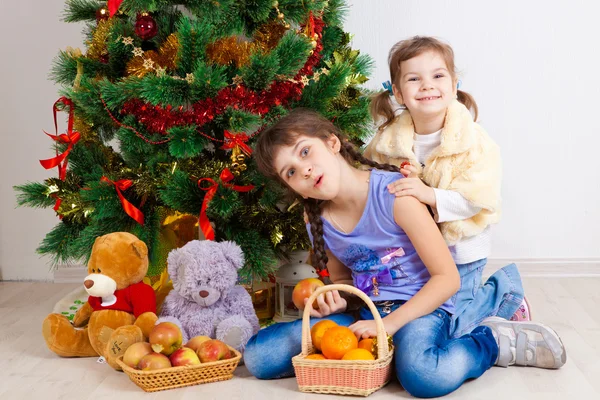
(313,211)
(349,149)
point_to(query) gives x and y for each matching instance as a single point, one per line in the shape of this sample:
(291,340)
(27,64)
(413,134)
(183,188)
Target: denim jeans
(500,296)
(428,361)
(281,342)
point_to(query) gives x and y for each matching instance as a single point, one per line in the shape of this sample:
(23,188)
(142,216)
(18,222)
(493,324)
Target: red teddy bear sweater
(135,299)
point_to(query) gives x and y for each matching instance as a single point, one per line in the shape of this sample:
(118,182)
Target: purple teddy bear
(205,299)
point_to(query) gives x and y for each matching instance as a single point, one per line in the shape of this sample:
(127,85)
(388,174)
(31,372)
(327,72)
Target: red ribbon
(310,25)
(113,6)
(70,137)
(234,140)
(129,208)
(226,177)
(323,273)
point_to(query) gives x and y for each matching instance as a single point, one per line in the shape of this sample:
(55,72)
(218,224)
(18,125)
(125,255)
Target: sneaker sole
(542,329)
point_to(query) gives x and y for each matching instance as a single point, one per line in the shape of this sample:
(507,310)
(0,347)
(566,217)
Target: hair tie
(458,84)
(387,85)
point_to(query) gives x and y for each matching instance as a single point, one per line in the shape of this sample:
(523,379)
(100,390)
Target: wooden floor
(28,370)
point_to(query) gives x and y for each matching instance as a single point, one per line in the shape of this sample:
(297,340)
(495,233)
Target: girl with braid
(361,231)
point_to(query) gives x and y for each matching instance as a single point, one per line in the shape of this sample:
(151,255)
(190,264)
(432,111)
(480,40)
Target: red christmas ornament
(145,27)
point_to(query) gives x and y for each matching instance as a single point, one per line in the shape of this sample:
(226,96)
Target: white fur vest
(467,161)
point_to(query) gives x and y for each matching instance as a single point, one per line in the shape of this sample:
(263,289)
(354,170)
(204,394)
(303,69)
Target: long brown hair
(305,122)
(405,50)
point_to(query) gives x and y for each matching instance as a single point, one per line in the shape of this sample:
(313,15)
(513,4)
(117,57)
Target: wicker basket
(351,377)
(176,377)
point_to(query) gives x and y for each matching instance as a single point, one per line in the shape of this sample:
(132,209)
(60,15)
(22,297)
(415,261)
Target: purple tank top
(378,248)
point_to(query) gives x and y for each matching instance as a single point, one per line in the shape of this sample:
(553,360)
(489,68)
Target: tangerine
(317,331)
(337,341)
(358,354)
(315,357)
(367,344)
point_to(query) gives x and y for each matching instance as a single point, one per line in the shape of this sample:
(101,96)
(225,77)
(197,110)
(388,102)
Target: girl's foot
(523,313)
(526,343)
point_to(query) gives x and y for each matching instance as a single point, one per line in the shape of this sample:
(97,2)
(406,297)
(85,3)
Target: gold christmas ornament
(238,161)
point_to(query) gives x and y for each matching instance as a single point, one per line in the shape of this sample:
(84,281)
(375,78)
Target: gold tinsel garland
(97,45)
(237,50)
(147,61)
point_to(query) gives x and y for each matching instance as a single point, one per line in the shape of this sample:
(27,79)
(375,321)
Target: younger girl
(454,169)
(360,231)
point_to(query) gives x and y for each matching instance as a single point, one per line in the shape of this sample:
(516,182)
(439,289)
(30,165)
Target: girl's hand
(329,303)
(413,187)
(367,328)
(408,170)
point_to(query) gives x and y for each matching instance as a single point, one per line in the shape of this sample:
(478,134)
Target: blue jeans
(500,296)
(429,363)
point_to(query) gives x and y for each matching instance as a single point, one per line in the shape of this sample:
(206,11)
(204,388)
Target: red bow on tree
(129,208)
(226,177)
(113,6)
(236,140)
(70,138)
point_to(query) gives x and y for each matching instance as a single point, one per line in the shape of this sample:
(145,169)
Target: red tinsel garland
(159,119)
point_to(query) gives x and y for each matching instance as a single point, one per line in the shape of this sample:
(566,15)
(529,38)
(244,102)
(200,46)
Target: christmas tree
(162,110)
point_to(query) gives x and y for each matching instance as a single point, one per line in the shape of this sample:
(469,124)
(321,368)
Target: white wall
(532,66)
(32,34)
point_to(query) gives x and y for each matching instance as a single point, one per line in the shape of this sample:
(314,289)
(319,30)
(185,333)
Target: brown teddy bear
(121,309)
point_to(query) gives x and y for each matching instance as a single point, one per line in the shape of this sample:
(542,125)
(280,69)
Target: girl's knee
(421,382)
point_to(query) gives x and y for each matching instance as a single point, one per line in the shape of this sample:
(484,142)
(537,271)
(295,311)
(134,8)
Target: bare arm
(338,272)
(414,219)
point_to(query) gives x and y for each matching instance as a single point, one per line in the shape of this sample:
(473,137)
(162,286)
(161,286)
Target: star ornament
(138,52)
(148,64)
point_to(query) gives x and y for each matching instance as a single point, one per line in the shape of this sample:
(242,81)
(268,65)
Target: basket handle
(307,346)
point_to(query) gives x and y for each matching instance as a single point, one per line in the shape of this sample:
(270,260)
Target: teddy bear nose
(88,283)
(203,293)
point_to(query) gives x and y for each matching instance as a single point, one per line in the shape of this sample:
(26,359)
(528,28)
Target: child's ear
(455,90)
(334,143)
(397,94)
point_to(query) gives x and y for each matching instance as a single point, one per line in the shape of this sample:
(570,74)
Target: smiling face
(310,166)
(425,85)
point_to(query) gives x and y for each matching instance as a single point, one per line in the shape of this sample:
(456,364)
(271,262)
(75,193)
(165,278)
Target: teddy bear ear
(140,248)
(233,253)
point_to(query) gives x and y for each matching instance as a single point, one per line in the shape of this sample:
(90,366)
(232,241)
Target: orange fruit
(358,354)
(316,357)
(366,344)
(317,331)
(337,341)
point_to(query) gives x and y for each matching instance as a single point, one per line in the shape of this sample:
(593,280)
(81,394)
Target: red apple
(165,338)
(154,361)
(196,341)
(184,356)
(303,290)
(135,353)
(213,350)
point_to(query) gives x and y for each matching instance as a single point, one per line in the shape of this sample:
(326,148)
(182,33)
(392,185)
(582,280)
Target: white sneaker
(526,343)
